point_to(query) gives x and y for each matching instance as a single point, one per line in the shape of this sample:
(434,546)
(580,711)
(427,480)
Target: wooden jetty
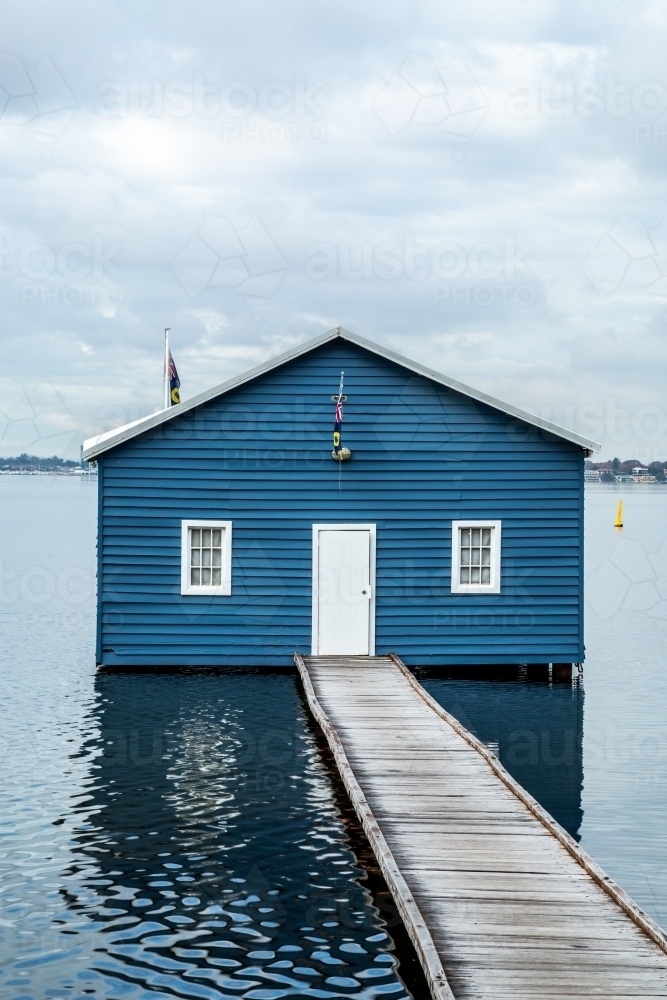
(497,898)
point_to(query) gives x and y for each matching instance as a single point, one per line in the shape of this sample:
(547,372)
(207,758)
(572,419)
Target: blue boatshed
(229,536)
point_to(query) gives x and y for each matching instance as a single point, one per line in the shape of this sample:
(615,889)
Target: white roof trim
(96,446)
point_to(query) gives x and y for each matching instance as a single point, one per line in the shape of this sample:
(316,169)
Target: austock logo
(34,97)
(72,274)
(423,92)
(629,580)
(222,256)
(34,415)
(630,259)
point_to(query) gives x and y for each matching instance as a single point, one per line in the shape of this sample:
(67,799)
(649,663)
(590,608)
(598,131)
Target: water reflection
(105,781)
(210,857)
(536,729)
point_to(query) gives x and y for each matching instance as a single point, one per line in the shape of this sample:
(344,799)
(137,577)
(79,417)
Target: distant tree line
(33,463)
(616,467)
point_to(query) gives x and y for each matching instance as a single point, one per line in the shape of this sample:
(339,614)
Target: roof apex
(96,446)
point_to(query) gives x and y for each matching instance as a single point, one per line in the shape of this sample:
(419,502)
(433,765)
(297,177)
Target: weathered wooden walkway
(498,899)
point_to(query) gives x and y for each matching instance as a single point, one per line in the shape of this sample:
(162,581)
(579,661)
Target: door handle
(367,591)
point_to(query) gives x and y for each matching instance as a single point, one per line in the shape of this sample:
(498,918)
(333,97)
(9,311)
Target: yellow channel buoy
(618,523)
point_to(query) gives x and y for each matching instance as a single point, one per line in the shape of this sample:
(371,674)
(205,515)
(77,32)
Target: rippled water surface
(180,835)
(173,835)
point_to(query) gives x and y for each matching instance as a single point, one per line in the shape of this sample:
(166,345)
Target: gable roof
(96,446)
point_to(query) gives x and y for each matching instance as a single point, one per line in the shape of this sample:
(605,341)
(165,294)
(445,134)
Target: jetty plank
(498,899)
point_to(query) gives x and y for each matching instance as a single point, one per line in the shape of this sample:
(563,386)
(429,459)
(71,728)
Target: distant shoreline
(63,473)
(88,473)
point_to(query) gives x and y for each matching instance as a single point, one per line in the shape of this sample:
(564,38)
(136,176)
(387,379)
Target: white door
(343,570)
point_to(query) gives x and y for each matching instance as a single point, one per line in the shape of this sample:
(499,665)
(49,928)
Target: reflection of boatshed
(227,535)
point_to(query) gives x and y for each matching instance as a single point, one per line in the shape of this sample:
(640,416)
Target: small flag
(174,383)
(338,418)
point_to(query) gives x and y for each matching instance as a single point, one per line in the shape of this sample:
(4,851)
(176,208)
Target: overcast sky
(480,186)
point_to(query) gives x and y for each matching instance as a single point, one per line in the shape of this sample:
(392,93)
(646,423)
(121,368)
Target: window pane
(465,557)
(486,536)
(465,575)
(474,557)
(474,574)
(205,553)
(486,557)
(475,533)
(465,536)
(486,574)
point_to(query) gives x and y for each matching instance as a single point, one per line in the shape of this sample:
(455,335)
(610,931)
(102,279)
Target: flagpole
(166,367)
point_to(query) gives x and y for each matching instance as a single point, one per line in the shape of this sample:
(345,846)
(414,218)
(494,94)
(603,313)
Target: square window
(476,557)
(206,548)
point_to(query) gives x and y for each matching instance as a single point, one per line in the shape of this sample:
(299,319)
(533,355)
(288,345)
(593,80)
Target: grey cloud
(481,186)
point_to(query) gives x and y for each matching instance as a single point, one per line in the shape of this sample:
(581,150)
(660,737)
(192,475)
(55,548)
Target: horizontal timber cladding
(422,456)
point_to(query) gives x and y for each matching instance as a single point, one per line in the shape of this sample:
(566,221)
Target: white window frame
(476,588)
(225,588)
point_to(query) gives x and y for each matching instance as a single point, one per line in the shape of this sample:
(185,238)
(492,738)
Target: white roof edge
(96,446)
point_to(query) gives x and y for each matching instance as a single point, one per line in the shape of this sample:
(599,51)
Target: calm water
(181,835)
(596,756)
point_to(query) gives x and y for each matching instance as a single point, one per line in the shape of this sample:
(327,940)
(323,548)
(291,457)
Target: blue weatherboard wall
(260,456)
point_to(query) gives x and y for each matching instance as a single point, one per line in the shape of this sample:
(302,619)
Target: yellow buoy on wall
(618,523)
